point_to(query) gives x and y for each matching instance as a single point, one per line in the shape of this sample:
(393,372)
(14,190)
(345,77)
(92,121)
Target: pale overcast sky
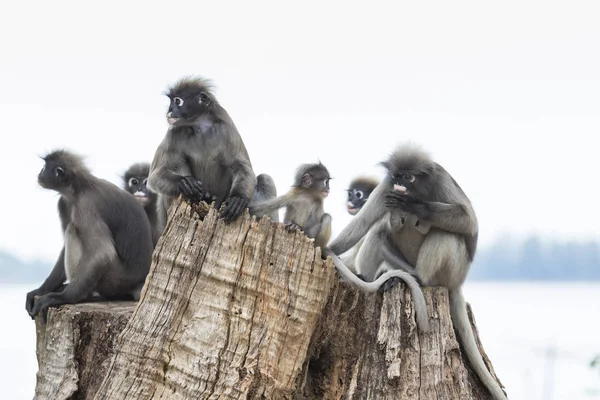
(506,96)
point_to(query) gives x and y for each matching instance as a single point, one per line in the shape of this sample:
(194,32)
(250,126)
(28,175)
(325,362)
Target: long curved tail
(369,287)
(460,319)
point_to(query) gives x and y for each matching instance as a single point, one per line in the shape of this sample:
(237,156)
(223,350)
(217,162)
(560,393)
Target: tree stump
(247,310)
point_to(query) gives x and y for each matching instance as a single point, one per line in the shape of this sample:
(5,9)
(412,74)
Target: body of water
(540,337)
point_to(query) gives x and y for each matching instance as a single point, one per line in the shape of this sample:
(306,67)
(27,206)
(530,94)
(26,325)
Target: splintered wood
(227,310)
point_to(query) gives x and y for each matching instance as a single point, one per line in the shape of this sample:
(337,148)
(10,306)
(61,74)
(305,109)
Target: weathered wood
(249,311)
(74,348)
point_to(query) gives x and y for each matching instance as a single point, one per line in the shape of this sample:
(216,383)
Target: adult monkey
(203,156)
(107,238)
(432,225)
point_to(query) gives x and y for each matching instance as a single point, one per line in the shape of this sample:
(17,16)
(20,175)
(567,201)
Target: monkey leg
(322,231)
(265,190)
(442,259)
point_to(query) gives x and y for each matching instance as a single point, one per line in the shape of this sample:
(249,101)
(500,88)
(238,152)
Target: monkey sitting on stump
(203,156)
(107,238)
(135,181)
(304,204)
(431,232)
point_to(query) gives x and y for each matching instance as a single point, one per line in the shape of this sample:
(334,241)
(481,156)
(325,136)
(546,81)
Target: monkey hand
(292,227)
(41,306)
(408,203)
(233,208)
(30,301)
(191,189)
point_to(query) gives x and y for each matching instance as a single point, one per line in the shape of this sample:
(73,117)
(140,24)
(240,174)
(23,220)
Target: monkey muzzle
(352,210)
(141,197)
(171,119)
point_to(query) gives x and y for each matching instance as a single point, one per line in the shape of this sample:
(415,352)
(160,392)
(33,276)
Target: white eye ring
(409,178)
(178,101)
(145,181)
(133,181)
(359,194)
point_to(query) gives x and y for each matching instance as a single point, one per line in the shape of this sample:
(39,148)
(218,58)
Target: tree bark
(247,310)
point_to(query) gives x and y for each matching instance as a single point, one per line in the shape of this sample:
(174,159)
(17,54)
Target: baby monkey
(303,204)
(135,181)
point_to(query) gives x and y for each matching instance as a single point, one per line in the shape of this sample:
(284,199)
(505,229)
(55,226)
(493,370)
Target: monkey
(107,246)
(358,193)
(303,203)
(203,156)
(431,223)
(135,182)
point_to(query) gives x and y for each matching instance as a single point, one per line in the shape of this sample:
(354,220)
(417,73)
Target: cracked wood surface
(250,311)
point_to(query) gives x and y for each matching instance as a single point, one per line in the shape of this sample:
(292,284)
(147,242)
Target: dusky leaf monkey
(135,181)
(358,193)
(107,238)
(203,156)
(303,204)
(431,226)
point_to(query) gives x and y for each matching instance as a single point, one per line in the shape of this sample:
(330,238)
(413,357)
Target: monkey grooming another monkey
(303,204)
(203,156)
(358,193)
(107,238)
(135,181)
(431,224)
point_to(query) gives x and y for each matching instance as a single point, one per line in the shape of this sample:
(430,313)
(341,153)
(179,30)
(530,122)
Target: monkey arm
(167,170)
(244,179)
(98,257)
(457,218)
(53,282)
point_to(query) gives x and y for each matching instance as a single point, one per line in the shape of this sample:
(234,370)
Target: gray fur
(148,198)
(108,241)
(303,203)
(202,143)
(433,227)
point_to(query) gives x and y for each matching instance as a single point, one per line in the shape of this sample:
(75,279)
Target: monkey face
(316,179)
(357,197)
(187,105)
(136,185)
(53,176)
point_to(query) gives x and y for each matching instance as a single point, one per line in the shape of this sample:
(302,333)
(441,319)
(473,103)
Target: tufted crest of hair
(317,170)
(138,169)
(71,162)
(364,180)
(410,158)
(192,84)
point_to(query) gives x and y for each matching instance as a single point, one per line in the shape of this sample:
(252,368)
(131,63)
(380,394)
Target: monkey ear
(306,180)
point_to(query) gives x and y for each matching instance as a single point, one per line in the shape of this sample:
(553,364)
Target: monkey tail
(460,319)
(413,285)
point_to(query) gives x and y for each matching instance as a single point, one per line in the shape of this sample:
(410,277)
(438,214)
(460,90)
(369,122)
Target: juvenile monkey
(431,228)
(135,181)
(303,204)
(203,156)
(107,238)
(358,193)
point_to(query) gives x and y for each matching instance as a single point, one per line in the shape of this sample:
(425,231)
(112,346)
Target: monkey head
(410,172)
(358,193)
(314,178)
(135,182)
(62,171)
(190,98)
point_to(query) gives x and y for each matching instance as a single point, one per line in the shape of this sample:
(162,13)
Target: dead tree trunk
(249,311)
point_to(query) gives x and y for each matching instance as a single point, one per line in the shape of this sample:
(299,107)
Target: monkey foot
(292,227)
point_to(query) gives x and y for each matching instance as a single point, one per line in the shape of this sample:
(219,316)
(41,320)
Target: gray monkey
(135,181)
(107,238)
(431,230)
(203,156)
(303,204)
